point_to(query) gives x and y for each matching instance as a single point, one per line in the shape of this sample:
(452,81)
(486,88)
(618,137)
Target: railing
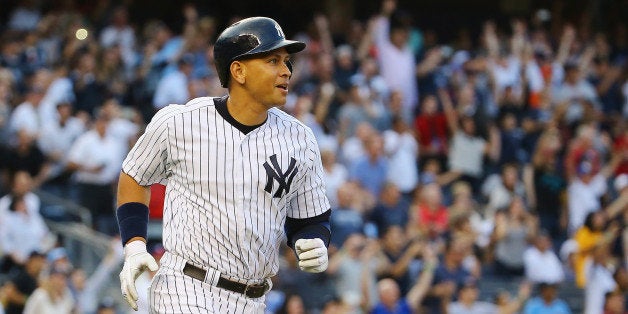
(85,247)
(57,207)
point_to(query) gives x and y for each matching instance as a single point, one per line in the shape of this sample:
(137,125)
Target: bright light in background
(81,34)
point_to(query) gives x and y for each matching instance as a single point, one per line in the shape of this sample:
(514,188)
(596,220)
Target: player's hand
(136,261)
(312,255)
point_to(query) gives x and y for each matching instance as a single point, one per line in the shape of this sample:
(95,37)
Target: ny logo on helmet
(279,31)
(274,173)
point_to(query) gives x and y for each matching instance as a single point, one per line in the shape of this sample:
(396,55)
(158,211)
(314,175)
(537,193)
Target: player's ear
(238,71)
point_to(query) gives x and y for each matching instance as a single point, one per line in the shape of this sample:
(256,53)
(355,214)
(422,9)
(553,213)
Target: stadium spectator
(22,228)
(173,86)
(52,296)
(391,210)
(547,301)
(514,228)
(55,141)
(449,275)
(22,283)
(336,174)
(25,117)
(599,280)
(501,189)
(403,152)
(545,185)
(121,35)
(392,301)
(467,300)
(400,252)
(370,171)
(590,236)
(428,216)
(431,129)
(396,58)
(355,268)
(347,217)
(541,264)
(614,303)
(95,158)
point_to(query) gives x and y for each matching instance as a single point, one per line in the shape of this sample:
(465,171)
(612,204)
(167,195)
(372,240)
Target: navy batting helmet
(248,37)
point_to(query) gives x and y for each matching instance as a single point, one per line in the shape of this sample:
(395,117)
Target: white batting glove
(136,261)
(312,255)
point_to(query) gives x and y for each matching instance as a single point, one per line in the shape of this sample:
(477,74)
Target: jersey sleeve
(147,161)
(310,199)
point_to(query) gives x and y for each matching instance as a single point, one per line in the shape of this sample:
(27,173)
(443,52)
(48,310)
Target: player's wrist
(134,247)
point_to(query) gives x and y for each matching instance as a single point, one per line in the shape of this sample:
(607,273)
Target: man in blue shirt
(547,302)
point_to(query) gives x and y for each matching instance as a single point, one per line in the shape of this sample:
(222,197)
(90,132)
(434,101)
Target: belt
(252,291)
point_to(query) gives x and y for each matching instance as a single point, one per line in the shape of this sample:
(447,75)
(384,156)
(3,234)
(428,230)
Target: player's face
(268,77)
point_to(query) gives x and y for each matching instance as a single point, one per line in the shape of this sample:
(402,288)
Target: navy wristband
(308,228)
(132,220)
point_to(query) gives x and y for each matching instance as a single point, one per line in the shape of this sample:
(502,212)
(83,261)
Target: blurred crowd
(498,156)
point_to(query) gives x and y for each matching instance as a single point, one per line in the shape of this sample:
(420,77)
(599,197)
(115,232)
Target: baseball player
(240,174)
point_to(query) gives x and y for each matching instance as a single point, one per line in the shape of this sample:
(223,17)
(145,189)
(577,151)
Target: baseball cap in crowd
(58,270)
(56,254)
(469,282)
(107,303)
(585,167)
(571,64)
(545,284)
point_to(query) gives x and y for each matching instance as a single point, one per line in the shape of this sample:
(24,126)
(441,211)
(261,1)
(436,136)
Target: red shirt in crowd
(432,131)
(434,221)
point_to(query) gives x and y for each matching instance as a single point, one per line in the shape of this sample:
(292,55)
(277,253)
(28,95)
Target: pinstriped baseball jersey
(228,193)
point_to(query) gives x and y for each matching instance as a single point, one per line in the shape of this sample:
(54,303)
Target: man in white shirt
(599,281)
(584,196)
(97,159)
(395,56)
(22,229)
(61,89)
(120,33)
(122,129)
(173,87)
(352,148)
(575,92)
(55,141)
(25,116)
(403,152)
(541,263)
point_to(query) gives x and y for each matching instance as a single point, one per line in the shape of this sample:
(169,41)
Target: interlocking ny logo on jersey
(274,173)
